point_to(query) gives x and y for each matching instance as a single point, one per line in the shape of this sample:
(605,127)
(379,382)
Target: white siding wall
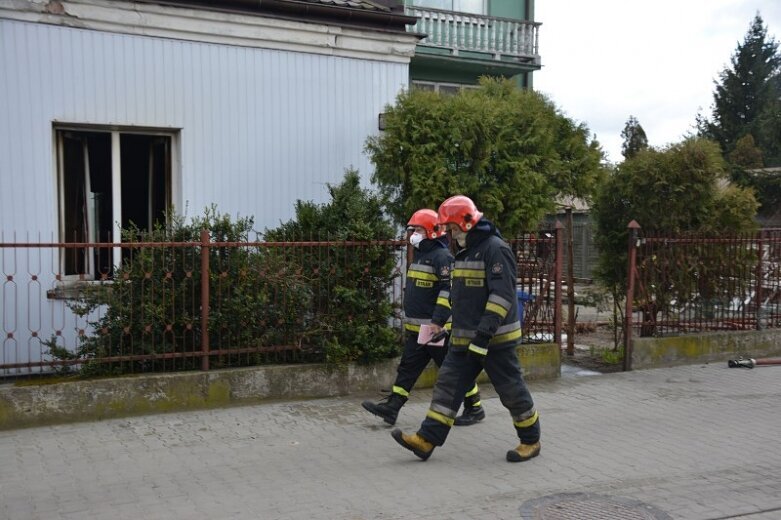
(259,128)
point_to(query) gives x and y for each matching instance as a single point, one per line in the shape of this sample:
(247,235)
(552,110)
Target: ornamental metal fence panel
(694,283)
(266,302)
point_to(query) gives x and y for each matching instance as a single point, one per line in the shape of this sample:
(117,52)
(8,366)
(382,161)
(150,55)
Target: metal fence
(585,255)
(687,284)
(539,257)
(267,302)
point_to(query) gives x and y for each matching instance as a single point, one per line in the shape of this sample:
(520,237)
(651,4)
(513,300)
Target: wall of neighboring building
(584,251)
(438,63)
(509,8)
(521,10)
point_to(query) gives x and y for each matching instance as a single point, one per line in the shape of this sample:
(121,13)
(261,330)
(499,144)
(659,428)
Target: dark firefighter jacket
(427,293)
(483,294)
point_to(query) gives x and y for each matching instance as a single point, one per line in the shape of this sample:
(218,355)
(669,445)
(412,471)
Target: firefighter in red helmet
(485,332)
(426,303)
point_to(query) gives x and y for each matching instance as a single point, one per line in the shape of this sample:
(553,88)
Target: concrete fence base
(43,404)
(711,347)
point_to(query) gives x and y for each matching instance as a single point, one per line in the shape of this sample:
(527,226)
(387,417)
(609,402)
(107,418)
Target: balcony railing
(499,37)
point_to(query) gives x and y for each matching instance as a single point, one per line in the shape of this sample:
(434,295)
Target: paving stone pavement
(696,442)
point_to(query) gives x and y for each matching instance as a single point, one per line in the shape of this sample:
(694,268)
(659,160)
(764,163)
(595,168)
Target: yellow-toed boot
(415,443)
(524,452)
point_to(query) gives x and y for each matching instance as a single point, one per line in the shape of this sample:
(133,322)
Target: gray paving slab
(696,442)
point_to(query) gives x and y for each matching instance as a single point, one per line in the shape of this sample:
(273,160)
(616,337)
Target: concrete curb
(44,404)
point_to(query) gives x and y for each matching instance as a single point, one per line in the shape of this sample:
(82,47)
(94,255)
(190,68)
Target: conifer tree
(511,150)
(746,99)
(634,138)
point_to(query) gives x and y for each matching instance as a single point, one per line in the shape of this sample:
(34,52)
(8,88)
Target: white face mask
(459,236)
(415,239)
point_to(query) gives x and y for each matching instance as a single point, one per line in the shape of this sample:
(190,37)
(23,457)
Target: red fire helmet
(459,210)
(427,219)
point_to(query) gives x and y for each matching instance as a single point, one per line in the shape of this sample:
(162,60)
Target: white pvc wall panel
(259,130)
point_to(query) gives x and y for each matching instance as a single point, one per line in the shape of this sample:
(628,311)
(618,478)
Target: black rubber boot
(473,411)
(388,408)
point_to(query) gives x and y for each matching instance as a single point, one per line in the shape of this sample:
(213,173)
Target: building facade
(466,39)
(113,112)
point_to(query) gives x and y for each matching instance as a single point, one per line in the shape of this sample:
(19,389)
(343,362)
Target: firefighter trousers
(456,377)
(413,360)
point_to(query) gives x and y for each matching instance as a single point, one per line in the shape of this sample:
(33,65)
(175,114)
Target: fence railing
(266,302)
(540,259)
(688,284)
(471,32)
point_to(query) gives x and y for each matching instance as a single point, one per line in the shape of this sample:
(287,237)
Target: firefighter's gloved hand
(479,345)
(438,336)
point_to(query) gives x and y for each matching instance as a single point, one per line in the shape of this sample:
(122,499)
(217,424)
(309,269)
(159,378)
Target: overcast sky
(608,59)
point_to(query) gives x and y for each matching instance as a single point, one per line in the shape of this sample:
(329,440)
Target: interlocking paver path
(696,442)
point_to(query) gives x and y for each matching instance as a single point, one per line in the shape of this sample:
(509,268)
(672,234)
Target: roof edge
(383,18)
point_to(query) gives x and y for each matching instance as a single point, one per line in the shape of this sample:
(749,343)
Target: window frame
(115,132)
(435,85)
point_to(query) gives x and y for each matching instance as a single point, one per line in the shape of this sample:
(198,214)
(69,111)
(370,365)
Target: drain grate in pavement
(588,506)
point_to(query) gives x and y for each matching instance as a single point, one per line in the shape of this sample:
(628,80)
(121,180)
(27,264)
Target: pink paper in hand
(426,333)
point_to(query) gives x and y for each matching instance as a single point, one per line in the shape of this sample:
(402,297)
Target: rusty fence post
(411,252)
(205,249)
(570,285)
(760,253)
(634,227)
(557,278)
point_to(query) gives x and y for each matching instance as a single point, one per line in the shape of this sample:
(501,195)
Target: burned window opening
(89,206)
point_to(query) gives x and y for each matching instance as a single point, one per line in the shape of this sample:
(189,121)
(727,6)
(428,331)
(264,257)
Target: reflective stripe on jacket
(427,291)
(483,292)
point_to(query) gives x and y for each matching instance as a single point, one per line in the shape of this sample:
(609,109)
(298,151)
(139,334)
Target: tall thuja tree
(634,138)
(769,125)
(746,99)
(351,308)
(511,150)
(746,155)
(682,188)
(746,162)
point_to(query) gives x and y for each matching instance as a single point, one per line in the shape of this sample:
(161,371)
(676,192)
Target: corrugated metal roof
(354,4)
